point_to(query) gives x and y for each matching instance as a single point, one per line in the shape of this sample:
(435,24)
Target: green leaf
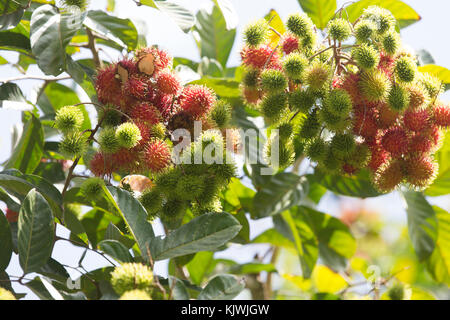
(55,270)
(180,15)
(80,74)
(221,287)
(441,73)
(135,217)
(215,40)
(279,193)
(6,242)
(30,148)
(17,39)
(116,250)
(224,88)
(422,223)
(228,12)
(51,32)
(36,232)
(95,222)
(441,185)
(121,31)
(320,11)
(203,233)
(404,14)
(438,263)
(252,268)
(359,185)
(11,97)
(114,233)
(11,13)
(199,266)
(275,238)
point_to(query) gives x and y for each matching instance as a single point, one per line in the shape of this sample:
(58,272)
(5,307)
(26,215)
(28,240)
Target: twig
(30,77)
(91,44)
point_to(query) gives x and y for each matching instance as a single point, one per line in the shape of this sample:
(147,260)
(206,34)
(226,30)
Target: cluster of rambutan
(143,103)
(354,101)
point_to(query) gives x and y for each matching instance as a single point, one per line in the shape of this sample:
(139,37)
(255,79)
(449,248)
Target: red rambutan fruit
(395,141)
(386,64)
(145,135)
(124,160)
(379,157)
(350,84)
(145,112)
(389,175)
(386,116)
(251,95)
(441,115)
(364,124)
(197,100)
(257,57)
(416,120)
(100,166)
(129,65)
(137,86)
(108,85)
(421,171)
(168,83)
(152,60)
(157,155)
(289,43)
(421,143)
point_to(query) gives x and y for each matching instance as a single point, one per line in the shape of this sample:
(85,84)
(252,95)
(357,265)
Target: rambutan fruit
(366,56)
(233,140)
(317,75)
(108,86)
(391,42)
(252,96)
(398,98)
(284,158)
(301,100)
(390,175)
(214,206)
(420,143)
(343,144)
(189,187)
(333,122)
(421,171)
(92,188)
(416,120)
(310,126)
(255,33)
(166,180)
(339,29)
(69,119)
(82,5)
(432,84)
(374,85)
(386,116)
(418,95)
(285,131)
(152,201)
(395,141)
(273,81)
(157,155)
(221,113)
(129,65)
(405,69)
(197,100)
(330,164)
(364,30)
(300,24)
(261,56)
(73,145)
(250,77)
(137,86)
(125,160)
(128,135)
(156,131)
(294,64)
(173,211)
(299,146)
(378,157)
(338,102)
(146,133)
(131,276)
(135,295)
(152,60)
(110,116)
(350,84)
(364,124)
(441,115)
(289,43)
(146,113)
(383,18)
(181,120)
(168,82)
(386,64)
(272,106)
(100,166)
(108,140)
(316,149)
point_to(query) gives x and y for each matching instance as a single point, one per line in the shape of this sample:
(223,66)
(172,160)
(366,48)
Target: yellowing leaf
(441,73)
(298,281)
(275,22)
(405,270)
(326,280)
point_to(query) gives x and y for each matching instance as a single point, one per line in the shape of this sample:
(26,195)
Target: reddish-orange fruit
(421,171)
(124,160)
(145,135)
(258,57)
(416,120)
(137,86)
(157,155)
(129,65)
(108,85)
(289,43)
(100,166)
(364,124)
(167,82)
(152,60)
(197,100)
(11,216)
(251,95)
(386,116)
(441,116)
(386,64)
(421,143)
(379,157)
(145,112)
(395,141)
(389,176)
(349,169)
(350,84)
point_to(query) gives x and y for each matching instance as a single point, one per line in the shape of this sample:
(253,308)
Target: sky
(430,33)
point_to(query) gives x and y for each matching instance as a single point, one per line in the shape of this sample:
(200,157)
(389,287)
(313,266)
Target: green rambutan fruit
(316,149)
(173,210)
(128,135)
(383,18)
(299,146)
(131,276)
(255,33)
(214,206)
(338,102)
(73,145)
(92,188)
(366,56)
(405,69)
(285,131)
(432,84)
(339,29)
(211,139)
(69,119)
(80,4)
(221,113)
(398,97)
(189,187)
(158,131)
(310,126)
(330,163)
(250,77)
(396,292)
(333,122)
(224,171)
(285,156)
(108,141)
(343,144)
(360,157)
(389,175)
(110,116)
(273,81)
(167,180)
(364,30)
(151,199)
(301,100)
(135,295)
(211,189)
(421,171)
(317,75)
(374,85)
(418,95)
(273,105)
(294,65)
(300,25)
(391,42)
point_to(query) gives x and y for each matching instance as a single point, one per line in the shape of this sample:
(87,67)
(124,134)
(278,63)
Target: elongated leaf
(281,192)
(36,231)
(180,15)
(50,34)
(6,242)
(228,12)
(11,97)
(17,38)
(422,223)
(198,266)
(276,23)
(215,40)
(224,88)
(221,287)
(80,74)
(116,250)
(113,233)
(441,185)
(28,152)
(320,11)
(55,270)
(203,233)
(252,268)
(11,13)
(135,217)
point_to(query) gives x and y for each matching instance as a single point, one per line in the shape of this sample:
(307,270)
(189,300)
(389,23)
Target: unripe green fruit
(333,122)
(212,140)
(310,126)
(331,164)
(299,146)
(396,292)
(317,75)
(167,180)
(364,30)
(80,4)
(374,85)
(360,156)
(284,158)
(343,144)
(391,42)
(405,69)
(128,135)
(285,131)
(255,33)
(382,18)
(250,78)
(294,65)
(221,113)
(300,25)
(273,105)
(108,141)
(301,100)
(398,98)
(173,210)
(73,145)
(158,131)
(131,276)
(316,149)
(211,189)
(432,84)
(151,200)
(366,56)
(338,102)
(224,171)
(339,29)
(135,295)
(189,187)
(273,81)
(309,41)
(92,188)
(111,117)
(214,206)
(69,119)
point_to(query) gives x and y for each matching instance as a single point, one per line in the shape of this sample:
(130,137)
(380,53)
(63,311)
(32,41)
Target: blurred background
(379,224)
